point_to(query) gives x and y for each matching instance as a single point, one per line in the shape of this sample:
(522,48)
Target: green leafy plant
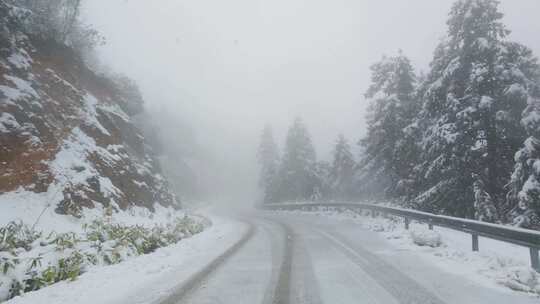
(17,235)
(102,242)
(65,241)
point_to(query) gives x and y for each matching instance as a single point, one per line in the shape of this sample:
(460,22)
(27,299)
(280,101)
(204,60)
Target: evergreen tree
(323,182)
(391,109)
(342,170)
(269,161)
(297,174)
(484,206)
(471,110)
(524,194)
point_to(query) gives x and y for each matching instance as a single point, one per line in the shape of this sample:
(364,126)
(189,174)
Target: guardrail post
(407,223)
(430,226)
(474,242)
(535,260)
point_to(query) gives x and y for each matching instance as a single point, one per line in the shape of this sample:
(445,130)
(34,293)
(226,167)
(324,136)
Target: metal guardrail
(518,236)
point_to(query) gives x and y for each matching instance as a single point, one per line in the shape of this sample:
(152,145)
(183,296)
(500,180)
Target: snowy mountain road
(307,259)
(197,279)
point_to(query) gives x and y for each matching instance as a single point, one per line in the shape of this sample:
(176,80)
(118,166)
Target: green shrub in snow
(17,235)
(30,261)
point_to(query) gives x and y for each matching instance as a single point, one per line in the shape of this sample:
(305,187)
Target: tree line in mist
(461,140)
(56,21)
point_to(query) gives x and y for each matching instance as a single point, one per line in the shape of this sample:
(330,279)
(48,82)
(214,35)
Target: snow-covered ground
(38,208)
(133,272)
(496,265)
(146,278)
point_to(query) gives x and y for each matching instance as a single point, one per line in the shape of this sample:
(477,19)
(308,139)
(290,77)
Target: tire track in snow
(403,288)
(194,281)
(282,294)
(279,289)
(295,263)
(306,283)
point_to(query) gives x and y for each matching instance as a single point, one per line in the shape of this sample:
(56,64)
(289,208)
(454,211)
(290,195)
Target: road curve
(197,278)
(298,259)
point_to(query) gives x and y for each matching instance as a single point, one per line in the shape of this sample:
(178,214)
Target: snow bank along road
(304,259)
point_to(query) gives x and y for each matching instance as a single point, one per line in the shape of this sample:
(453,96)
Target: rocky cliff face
(66,130)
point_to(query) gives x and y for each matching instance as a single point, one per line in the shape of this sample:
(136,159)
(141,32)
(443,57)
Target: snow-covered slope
(148,278)
(67,138)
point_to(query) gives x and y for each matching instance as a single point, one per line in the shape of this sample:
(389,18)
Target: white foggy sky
(228,67)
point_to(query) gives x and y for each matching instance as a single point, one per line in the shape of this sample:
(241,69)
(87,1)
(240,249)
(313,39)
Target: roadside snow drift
(497,263)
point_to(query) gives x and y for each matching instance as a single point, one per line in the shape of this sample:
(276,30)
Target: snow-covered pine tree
(268,157)
(297,176)
(342,170)
(391,108)
(322,180)
(471,110)
(524,194)
(484,206)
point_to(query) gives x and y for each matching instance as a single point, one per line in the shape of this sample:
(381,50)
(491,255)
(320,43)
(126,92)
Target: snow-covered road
(293,258)
(278,258)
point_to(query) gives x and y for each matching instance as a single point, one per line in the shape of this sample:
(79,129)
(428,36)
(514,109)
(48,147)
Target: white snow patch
(26,206)
(116,110)
(140,184)
(8,123)
(70,163)
(426,237)
(22,85)
(61,80)
(531,119)
(482,43)
(516,89)
(20,60)
(485,102)
(11,94)
(91,114)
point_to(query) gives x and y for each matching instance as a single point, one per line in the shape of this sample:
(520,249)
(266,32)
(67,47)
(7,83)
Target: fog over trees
(456,138)
(462,140)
